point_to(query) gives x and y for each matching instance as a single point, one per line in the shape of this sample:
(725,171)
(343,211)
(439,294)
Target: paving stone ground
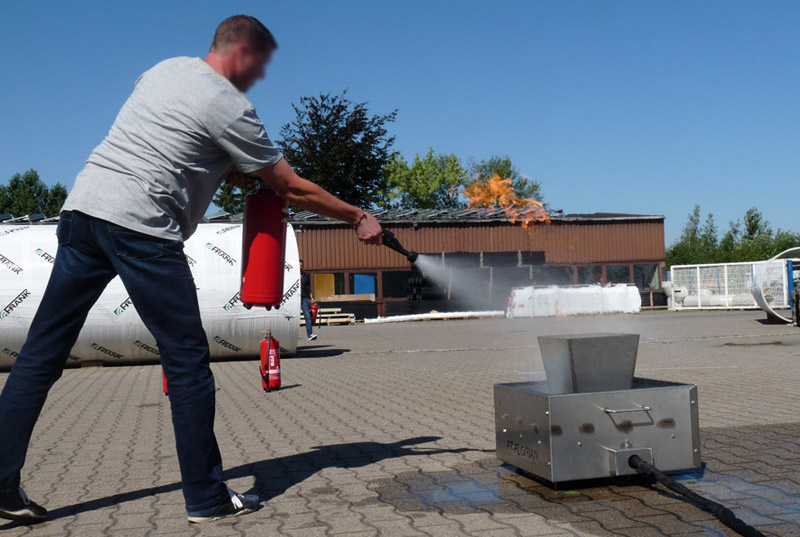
(388,430)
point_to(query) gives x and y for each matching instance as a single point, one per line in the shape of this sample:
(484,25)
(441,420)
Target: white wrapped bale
(113,332)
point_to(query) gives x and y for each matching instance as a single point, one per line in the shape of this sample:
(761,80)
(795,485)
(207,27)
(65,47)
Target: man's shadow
(274,476)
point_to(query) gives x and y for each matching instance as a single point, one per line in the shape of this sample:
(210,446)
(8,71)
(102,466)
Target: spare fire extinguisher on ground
(263,248)
(314,311)
(164,377)
(270,363)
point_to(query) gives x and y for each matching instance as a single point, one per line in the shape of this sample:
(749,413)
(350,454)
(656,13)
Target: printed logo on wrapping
(14,354)
(15,303)
(287,266)
(227,229)
(145,347)
(222,253)
(108,352)
(230,304)
(10,265)
(44,255)
(227,344)
(127,303)
(290,293)
(192,262)
(5,232)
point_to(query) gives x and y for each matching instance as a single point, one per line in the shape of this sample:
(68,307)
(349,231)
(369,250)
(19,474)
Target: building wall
(337,248)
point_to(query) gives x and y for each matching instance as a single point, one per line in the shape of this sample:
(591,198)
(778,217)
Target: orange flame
(498,193)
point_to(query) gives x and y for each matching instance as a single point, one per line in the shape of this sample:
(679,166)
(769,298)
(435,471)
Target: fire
(497,193)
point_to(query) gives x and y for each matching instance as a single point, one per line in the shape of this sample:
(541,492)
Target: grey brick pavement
(388,430)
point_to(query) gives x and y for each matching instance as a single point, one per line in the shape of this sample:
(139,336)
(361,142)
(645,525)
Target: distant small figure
(306,299)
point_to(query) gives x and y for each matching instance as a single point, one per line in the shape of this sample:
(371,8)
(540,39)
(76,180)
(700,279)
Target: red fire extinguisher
(314,311)
(164,376)
(263,248)
(270,363)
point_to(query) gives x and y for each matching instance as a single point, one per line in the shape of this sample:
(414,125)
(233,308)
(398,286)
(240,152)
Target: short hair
(301,260)
(240,28)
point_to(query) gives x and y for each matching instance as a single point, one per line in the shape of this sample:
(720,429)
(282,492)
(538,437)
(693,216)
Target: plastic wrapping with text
(113,332)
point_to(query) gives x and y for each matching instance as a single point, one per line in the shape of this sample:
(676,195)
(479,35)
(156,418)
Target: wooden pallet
(331,317)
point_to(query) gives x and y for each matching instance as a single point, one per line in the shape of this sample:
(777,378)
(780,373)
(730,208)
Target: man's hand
(237,178)
(312,197)
(369,230)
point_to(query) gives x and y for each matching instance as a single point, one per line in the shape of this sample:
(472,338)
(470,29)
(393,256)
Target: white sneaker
(312,337)
(240,504)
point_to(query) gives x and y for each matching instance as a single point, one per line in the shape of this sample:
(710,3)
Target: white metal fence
(728,285)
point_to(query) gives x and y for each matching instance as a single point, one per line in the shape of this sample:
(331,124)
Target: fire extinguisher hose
(722,513)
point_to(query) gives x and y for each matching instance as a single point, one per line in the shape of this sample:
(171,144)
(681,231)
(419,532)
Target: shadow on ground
(318,351)
(753,470)
(274,476)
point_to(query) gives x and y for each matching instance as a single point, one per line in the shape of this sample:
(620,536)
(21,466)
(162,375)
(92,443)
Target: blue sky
(627,106)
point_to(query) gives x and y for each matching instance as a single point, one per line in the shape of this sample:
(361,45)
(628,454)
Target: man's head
(301,265)
(241,49)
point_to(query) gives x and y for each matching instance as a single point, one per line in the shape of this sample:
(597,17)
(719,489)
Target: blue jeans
(306,305)
(157,277)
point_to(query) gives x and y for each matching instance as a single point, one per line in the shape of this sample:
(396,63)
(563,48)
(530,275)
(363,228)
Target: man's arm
(314,198)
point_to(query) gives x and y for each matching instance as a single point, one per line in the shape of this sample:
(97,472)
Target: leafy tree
(429,182)
(688,250)
(524,186)
(748,239)
(729,243)
(340,146)
(27,194)
(231,198)
(55,199)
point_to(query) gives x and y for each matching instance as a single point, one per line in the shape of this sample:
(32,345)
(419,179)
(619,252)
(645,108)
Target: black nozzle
(390,241)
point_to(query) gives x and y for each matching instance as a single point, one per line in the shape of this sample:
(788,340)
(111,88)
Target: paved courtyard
(389,430)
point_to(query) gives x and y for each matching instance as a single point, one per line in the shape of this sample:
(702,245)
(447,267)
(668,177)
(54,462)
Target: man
(306,299)
(186,126)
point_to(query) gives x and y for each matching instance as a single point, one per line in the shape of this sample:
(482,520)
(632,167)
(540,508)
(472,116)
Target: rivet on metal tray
(695,450)
(579,444)
(673,436)
(539,442)
(547,412)
(693,401)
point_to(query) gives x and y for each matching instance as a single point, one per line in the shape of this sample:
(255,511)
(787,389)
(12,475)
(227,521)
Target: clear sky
(626,106)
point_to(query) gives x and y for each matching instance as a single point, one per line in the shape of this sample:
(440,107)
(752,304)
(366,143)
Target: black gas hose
(722,513)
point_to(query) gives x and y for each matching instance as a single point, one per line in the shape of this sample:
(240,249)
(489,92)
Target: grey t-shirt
(171,146)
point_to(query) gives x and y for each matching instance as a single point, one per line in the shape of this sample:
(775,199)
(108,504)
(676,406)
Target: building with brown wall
(572,249)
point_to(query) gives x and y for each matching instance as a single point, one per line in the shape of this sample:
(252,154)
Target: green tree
(231,198)
(341,146)
(708,240)
(748,239)
(27,194)
(729,243)
(524,186)
(429,182)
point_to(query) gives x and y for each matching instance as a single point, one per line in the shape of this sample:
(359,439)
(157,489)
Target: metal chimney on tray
(591,414)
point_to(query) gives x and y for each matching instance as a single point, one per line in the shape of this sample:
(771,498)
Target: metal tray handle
(642,408)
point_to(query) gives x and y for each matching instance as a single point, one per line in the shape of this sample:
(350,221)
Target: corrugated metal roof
(449,216)
(406,216)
